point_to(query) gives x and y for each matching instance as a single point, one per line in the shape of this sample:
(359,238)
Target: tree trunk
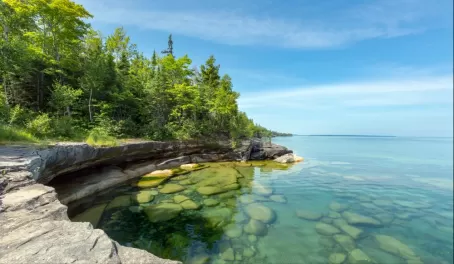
(5,82)
(89,105)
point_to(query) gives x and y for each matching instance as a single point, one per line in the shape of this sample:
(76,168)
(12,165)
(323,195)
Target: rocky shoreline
(34,220)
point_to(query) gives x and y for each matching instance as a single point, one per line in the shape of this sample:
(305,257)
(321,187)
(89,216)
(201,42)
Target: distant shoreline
(343,136)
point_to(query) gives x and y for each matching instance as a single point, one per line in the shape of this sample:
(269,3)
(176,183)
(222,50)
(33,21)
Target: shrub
(18,116)
(40,126)
(98,137)
(11,134)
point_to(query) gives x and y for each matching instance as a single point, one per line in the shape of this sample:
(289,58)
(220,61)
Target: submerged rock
(333,215)
(210,190)
(256,227)
(228,254)
(262,189)
(326,229)
(309,215)
(278,198)
(260,212)
(162,212)
(337,258)
(216,217)
(190,205)
(394,246)
(92,215)
(252,238)
(180,198)
(210,202)
(119,201)
(357,256)
(144,196)
(346,242)
(171,188)
(248,252)
(326,220)
(352,231)
(233,231)
(335,206)
(357,219)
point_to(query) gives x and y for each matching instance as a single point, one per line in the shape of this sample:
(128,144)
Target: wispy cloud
(380,19)
(392,92)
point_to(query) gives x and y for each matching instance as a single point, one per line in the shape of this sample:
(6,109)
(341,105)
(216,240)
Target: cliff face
(34,224)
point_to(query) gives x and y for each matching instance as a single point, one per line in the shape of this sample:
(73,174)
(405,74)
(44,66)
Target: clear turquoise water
(404,184)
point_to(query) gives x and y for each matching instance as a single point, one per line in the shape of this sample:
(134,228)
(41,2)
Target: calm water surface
(353,200)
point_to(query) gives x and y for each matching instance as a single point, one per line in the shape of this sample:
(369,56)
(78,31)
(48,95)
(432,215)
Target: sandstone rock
(337,258)
(189,166)
(134,209)
(160,173)
(334,215)
(180,198)
(394,246)
(337,207)
(339,222)
(346,242)
(210,202)
(217,217)
(326,229)
(309,215)
(287,158)
(228,254)
(261,189)
(326,220)
(199,259)
(256,228)
(357,256)
(298,158)
(92,215)
(190,205)
(248,252)
(260,212)
(228,195)
(210,190)
(357,219)
(233,231)
(162,212)
(119,201)
(252,238)
(352,231)
(247,199)
(278,198)
(171,188)
(144,196)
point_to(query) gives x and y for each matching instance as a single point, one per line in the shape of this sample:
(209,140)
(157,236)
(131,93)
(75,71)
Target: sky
(308,66)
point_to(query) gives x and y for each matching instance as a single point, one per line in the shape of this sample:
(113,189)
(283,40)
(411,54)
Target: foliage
(12,134)
(40,126)
(53,63)
(98,137)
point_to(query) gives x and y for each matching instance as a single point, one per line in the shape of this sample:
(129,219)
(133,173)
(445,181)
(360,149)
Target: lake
(352,200)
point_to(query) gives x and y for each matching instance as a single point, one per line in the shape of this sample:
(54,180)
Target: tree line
(62,79)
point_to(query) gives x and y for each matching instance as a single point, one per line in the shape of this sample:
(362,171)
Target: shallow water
(368,200)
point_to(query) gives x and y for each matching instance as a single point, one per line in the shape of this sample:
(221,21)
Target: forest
(63,80)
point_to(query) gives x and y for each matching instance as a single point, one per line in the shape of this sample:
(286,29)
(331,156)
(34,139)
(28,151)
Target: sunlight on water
(329,209)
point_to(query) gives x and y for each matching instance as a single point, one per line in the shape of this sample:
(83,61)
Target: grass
(98,138)
(10,134)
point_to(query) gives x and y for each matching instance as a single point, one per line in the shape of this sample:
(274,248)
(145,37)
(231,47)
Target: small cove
(331,206)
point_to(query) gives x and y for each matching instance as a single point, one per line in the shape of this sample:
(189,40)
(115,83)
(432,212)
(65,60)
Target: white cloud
(394,92)
(381,19)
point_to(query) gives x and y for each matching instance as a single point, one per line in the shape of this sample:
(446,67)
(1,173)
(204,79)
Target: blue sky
(310,66)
